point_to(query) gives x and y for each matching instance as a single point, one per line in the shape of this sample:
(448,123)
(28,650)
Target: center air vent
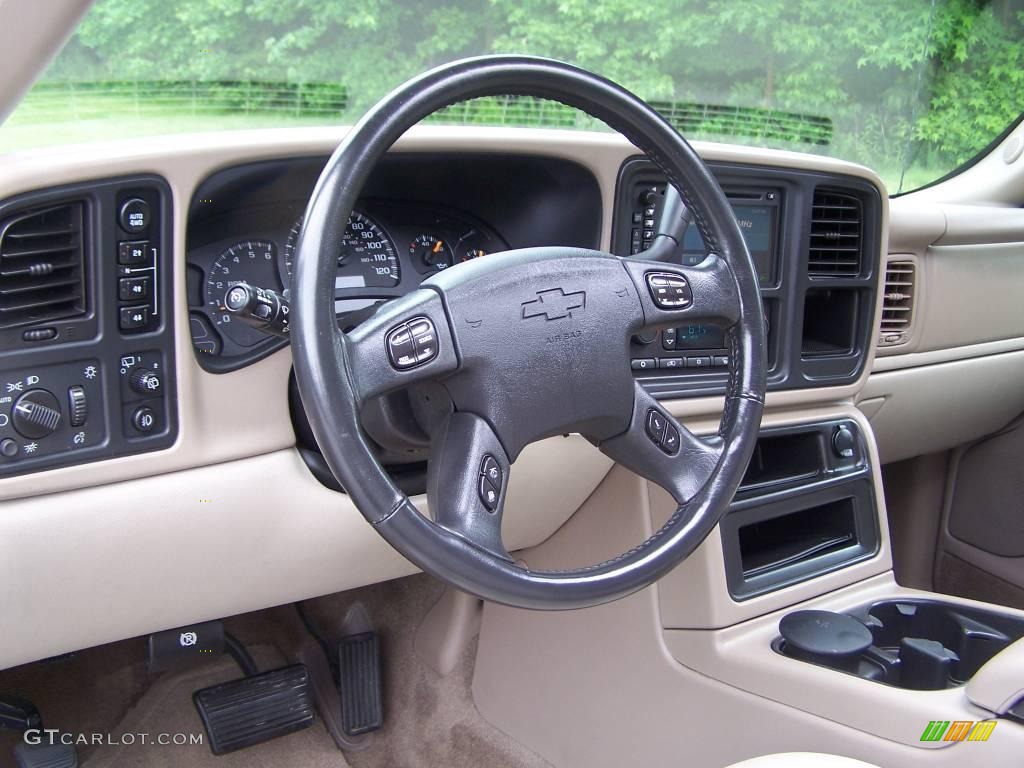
(835,247)
(41,265)
(897,303)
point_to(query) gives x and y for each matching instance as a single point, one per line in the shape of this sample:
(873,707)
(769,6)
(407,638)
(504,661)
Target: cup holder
(923,645)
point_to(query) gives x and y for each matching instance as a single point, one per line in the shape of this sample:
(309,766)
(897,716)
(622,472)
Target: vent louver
(835,247)
(897,303)
(41,265)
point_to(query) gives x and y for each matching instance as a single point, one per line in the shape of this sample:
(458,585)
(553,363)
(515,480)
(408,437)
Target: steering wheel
(524,345)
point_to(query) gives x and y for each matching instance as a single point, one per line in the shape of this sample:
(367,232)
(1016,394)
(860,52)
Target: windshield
(911,88)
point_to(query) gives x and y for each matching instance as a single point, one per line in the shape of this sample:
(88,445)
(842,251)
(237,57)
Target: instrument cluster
(387,250)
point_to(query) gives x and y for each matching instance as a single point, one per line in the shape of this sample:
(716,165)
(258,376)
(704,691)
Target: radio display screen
(699,336)
(757,223)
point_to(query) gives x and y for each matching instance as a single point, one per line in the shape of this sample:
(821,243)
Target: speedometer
(366,255)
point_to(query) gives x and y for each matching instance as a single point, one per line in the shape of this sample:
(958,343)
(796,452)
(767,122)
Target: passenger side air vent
(42,276)
(897,303)
(835,246)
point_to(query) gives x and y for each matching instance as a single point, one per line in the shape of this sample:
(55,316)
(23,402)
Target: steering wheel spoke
(673,294)
(658,447)
(407,341)
(467,479)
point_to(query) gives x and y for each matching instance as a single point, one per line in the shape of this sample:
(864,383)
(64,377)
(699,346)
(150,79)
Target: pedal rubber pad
(359,682)
(251,710)
(46,756)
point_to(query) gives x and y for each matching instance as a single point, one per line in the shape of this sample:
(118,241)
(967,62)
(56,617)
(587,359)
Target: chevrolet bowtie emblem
(555,304)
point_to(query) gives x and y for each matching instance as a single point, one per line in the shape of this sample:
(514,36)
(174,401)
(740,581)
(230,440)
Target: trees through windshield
(911,88)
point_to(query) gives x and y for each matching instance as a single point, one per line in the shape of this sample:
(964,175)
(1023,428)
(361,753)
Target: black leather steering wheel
(523,345)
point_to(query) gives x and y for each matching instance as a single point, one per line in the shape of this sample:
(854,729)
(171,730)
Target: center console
(813,238)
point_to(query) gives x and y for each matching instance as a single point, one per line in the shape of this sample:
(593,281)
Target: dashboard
(420,214)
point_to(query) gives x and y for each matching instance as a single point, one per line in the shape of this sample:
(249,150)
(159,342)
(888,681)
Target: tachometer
(251,261)
(366,255)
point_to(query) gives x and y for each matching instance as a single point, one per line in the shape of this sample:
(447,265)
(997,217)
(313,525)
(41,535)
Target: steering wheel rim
(337,373)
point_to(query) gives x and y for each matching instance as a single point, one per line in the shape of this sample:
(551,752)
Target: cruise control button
(488,494)
(670,442)
(668,290)
(490,469)
(656,424)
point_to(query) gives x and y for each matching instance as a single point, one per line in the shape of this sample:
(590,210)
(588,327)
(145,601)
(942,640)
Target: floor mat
(166,707)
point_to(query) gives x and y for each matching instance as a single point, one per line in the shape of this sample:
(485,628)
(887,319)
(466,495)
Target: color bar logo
(958,730)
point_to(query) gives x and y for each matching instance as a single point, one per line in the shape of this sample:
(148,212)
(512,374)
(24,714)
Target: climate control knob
(36,414)
(146,382)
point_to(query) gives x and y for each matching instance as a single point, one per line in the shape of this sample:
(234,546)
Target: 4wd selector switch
(145,382)
(36,414)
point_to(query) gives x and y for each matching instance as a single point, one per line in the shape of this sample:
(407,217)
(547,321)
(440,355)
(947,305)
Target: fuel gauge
(430,252)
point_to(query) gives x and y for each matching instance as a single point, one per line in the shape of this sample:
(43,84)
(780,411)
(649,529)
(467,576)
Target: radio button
(668,290)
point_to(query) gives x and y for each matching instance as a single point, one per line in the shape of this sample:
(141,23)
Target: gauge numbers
(250,261)
(366,255)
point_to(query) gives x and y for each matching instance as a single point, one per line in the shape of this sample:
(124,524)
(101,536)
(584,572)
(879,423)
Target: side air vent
(835,247)
(897,303)
(41,265)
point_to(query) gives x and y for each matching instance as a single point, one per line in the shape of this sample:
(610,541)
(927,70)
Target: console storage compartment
(772,545)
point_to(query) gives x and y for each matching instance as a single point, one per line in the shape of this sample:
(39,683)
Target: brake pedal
(359,683)
(251,710)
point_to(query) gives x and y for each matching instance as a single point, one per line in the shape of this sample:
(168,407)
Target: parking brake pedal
(254,709)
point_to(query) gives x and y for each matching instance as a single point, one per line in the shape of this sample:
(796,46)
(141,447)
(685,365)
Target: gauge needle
(437,246)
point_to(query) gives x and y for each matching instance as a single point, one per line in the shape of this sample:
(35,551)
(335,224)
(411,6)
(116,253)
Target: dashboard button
(133,318)
(144,419)
(9,448)
(135,215)
(132,252)
(671,362)
(720,360)
(668,338)
(700,361)
(133,288)
(643,363)
(668,290)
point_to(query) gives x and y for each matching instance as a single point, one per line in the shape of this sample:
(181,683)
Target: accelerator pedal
(254,709)
(359,681)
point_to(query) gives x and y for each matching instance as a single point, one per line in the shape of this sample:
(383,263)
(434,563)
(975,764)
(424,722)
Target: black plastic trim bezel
(788,368)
